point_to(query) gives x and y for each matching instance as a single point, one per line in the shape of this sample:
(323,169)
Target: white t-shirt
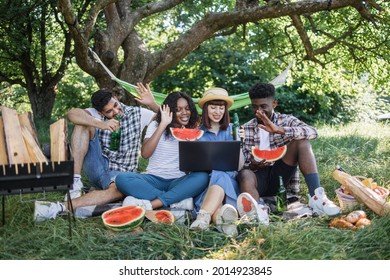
(164,162)
(264,140)
(146,116)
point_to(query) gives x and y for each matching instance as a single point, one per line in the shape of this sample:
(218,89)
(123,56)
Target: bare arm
(83,117)
(150,144)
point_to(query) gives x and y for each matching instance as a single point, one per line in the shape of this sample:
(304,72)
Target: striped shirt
(294,130)
(164,161)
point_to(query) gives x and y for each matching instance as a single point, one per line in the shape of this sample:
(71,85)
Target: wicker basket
(348,202)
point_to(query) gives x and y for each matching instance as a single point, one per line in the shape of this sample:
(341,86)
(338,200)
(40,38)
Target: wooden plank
(35,152)
(3,149)
(58,134)
(16,148)
(26,120)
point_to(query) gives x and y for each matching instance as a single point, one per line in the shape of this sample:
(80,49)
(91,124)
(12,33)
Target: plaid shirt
(126,157)
(294,130)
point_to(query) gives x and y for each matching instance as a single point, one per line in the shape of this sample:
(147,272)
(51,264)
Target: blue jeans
(168,191)
(95,166)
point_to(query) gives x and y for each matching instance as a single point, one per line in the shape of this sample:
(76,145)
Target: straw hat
(215,94)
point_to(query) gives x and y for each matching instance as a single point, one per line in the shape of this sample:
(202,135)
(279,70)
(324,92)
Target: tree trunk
(42,102)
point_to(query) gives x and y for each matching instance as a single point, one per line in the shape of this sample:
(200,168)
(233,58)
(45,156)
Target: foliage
(35,48)
(350,146)
(14,97)
(348,48)
(332,107)
(305,96)
(74,91)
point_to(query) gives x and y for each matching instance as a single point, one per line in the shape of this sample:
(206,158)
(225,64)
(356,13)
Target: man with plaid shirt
(270,130)
(90,144)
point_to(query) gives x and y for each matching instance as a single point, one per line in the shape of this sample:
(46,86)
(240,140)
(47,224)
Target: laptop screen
(209,155)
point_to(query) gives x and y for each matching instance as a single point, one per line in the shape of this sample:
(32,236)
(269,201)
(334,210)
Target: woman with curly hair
(163,184)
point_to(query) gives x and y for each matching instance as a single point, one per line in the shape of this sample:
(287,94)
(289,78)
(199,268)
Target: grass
(361,148)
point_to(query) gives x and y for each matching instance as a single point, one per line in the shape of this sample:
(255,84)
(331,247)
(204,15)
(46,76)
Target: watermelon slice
(186,134)
(160,216)
(123,218)
(268,155)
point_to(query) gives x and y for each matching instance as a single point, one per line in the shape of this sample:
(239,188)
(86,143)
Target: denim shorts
(95,166)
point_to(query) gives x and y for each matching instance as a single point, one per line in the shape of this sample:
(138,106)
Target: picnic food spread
(364,194)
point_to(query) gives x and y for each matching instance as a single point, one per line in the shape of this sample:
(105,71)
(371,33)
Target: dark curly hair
(171,101)
(262,90)
(100,98)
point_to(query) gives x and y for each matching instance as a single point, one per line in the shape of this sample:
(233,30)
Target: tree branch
(6,78)
(310,55)
(213,22)
(360,6)
(210,25)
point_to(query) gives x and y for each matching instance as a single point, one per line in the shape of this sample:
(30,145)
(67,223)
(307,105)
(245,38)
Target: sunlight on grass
(362,149)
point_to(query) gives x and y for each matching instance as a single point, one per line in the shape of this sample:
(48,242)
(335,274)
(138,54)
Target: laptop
(209,155)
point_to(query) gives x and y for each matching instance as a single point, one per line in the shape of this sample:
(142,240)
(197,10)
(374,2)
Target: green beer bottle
(116,136)
(281,197)
(236,127)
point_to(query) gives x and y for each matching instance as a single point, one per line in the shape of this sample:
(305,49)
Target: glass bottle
(281,197)
(236,127)
(116,136)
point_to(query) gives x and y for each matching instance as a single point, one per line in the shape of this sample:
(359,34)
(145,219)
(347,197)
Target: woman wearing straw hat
(223,187)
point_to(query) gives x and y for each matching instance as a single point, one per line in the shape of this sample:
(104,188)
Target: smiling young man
(267,131)
(90,144)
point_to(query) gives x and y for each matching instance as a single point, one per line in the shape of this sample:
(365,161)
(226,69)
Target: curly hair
(171,101)
(262,90)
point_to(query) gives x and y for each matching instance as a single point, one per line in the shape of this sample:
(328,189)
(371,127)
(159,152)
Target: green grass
(362,149)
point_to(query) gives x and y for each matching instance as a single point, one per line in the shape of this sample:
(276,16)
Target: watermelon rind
(123,212)
(269,155)
(186,134)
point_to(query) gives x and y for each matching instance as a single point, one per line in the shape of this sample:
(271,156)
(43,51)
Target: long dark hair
(223,123)
(171,101)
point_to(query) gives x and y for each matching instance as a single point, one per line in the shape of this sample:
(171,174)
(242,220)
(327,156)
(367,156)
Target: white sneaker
(185,204)
(250,211)
(45,210)
(77,189)
(321,205)
(226,219)
(202,221)
(130,200)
